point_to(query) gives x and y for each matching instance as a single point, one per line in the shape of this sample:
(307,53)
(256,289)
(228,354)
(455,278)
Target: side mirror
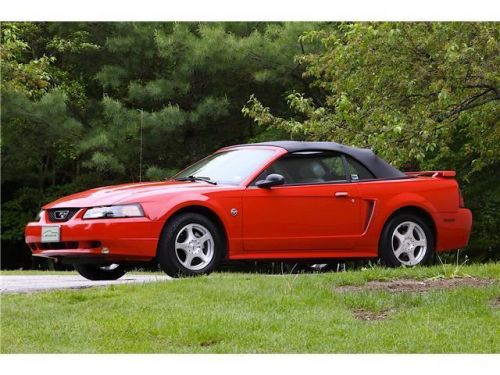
(271,180)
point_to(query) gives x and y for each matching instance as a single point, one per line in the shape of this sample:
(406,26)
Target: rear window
(358,171)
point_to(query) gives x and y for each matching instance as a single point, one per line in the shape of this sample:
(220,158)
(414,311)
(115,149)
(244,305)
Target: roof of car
(379,167)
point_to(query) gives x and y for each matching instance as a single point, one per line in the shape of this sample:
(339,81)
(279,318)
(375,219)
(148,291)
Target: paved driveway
(38,283)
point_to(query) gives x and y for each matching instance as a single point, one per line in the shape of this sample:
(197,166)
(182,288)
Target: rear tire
(98,272)
(190,245)
(406,240)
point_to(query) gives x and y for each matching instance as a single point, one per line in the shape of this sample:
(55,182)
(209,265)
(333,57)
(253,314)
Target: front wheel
(190,245)
(406,240)
(98,272)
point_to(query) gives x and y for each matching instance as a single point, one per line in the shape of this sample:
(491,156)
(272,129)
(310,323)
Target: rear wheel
(406,240)
(191,244)
(99,272)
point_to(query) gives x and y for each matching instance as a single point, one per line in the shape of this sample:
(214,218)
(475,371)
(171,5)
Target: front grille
(60,215)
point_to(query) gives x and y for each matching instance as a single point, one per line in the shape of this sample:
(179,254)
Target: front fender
(177,204)
(220,206)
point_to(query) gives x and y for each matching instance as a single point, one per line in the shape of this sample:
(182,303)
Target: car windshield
(227,167)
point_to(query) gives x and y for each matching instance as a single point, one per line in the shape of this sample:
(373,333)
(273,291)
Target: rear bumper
(453,230)
(101,240)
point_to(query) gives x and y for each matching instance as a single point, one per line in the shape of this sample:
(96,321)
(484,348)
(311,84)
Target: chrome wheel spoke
(411,257)
(183,246)
(401,237)
(203,257)
(190,233)
(399,251)
(188,260)
(205,238)
(420,243)
(409,232)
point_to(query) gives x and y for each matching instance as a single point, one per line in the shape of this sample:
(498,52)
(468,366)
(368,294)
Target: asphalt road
(39,283)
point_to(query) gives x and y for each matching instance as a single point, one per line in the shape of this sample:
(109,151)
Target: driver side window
(308,168)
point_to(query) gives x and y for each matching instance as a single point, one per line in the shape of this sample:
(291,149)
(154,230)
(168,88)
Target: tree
(76,95)
(191,80)
(39,129)
(422,95)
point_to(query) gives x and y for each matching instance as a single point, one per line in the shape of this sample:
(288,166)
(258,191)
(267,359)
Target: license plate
(51,233)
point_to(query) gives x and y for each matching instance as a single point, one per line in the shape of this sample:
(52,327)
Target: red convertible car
(303,201)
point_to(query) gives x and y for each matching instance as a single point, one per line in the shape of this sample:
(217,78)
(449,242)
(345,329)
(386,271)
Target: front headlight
(126,210)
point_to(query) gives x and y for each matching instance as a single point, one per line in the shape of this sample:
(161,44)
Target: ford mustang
(284,200)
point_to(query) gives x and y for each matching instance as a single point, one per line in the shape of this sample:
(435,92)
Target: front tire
(406,240)
(190,245)
(98,272)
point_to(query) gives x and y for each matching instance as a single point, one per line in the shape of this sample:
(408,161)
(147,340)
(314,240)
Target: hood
(109,195)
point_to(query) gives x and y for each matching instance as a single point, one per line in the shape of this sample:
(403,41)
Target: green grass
(247,313)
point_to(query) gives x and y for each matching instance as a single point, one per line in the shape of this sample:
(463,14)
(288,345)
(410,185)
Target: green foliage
(77,98)
(421,95)
(190,81)
(30,77)
(482,196)
(158,174)
(39,137)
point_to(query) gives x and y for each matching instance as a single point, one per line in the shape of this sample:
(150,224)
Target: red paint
(284,222)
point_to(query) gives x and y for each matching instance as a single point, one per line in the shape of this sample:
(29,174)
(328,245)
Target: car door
(316,209)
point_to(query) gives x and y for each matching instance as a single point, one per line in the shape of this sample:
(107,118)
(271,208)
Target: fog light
(105,250)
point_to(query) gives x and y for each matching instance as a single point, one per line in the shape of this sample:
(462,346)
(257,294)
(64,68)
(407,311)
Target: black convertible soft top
(376,165)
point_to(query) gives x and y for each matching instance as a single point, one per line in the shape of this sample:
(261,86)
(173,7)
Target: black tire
(98,272)
(168,256)
(388,241)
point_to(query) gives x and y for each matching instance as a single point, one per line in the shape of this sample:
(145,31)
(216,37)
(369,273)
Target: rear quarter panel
(437,196)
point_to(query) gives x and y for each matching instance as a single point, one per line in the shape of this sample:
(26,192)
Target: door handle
(341,194)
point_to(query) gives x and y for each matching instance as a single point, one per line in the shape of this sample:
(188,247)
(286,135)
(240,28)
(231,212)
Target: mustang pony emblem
(61,214)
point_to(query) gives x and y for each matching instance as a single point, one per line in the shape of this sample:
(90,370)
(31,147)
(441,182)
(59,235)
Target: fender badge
(234,212)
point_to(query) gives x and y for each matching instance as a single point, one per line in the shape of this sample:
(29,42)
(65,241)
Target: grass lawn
(248,313)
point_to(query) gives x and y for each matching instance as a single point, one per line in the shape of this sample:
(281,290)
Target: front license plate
(51,233)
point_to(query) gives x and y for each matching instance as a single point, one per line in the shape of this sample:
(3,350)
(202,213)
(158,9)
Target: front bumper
(97,240)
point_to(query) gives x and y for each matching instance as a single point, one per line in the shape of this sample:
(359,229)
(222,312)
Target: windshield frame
(277,152)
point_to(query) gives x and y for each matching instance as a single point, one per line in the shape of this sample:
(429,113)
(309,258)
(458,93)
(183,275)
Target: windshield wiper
(197,178)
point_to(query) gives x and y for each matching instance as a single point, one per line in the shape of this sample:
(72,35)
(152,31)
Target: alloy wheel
(409,243)
(194,247)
